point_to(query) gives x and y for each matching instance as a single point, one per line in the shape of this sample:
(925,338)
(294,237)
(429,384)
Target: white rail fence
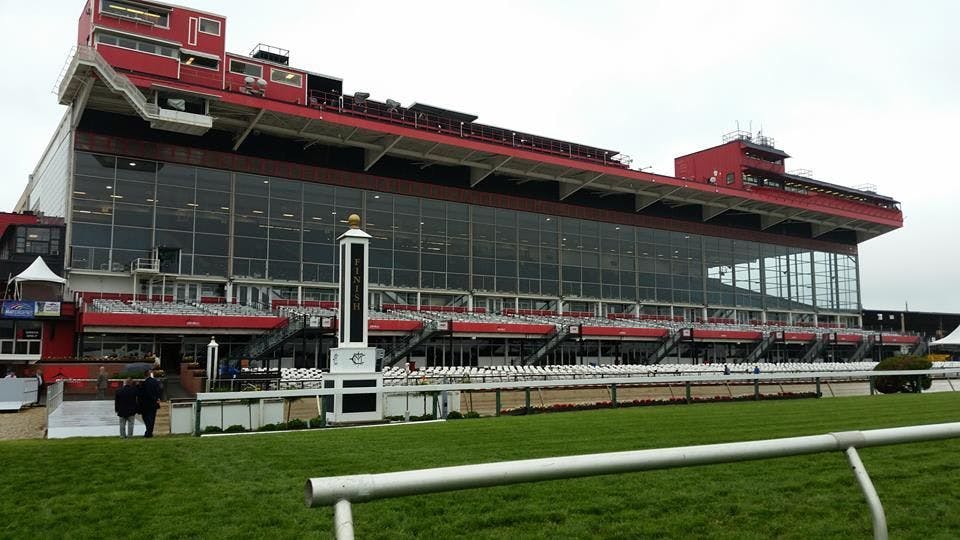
(54,398)
(342,491)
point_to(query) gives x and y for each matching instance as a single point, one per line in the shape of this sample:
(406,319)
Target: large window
(136,44)
(191,58)
(246,68)
(286,77)
(38,241)
(137,12)
(210,26)
(259,227)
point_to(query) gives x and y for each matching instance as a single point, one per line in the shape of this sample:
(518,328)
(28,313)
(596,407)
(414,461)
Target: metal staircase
(761,349)
(921,349)
(816,347)
(265,344)
(87,64)
(866,346)
(559,335)
(668,345)
(429,329)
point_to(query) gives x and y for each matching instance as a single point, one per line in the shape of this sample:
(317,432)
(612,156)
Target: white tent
(38,271)
(38,282)
(952,340)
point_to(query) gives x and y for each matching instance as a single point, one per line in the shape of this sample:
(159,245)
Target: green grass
(252,486)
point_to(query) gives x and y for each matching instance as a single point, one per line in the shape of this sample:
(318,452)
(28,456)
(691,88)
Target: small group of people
(132,399)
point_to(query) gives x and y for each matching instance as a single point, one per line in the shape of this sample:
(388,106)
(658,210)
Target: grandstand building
(202,193)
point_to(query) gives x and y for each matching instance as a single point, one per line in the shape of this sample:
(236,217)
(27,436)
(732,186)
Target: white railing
(145,265)
(642,380)
(54,398)
(342,491)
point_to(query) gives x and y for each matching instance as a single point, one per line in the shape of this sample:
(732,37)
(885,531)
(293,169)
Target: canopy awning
(952,340)
(38,271)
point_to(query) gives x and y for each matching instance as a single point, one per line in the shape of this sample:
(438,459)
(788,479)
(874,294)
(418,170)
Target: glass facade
(233,225)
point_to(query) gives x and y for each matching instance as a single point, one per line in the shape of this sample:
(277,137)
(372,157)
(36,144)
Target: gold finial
(354,221)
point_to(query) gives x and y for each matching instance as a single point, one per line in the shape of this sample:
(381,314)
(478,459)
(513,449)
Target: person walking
(149,400)
(125,405)
(39,376)
(102,381)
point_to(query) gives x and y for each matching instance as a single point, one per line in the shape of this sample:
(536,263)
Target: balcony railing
(375,110)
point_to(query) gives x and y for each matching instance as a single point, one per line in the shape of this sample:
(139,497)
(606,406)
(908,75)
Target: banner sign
(356,300)
(48,309)
(15,309)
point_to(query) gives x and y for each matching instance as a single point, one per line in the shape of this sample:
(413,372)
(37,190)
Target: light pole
(212,350)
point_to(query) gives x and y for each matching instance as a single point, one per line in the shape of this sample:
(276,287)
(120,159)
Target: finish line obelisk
(352,363)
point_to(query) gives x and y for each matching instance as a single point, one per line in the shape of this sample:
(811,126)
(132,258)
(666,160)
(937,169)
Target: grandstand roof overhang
(240,114)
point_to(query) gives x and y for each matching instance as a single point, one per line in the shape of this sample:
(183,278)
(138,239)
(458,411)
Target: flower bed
(564,407)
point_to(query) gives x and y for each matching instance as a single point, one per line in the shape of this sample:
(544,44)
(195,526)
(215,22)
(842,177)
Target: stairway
(559,335)
(921,349)
(87,64)
(816,347)
(403,349)
(761,349)
(668,345)
(866,346)
(266,343)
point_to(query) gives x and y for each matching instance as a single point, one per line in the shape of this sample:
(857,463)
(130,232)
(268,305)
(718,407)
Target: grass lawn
(252,486)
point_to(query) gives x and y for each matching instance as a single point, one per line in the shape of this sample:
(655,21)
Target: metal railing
(54,397)
(342,491)
(436,123)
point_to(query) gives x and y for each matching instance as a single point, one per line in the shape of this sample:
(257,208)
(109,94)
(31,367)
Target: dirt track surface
(29,423)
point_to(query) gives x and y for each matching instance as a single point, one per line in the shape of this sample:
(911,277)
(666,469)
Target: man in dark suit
(149,398)
(125,405)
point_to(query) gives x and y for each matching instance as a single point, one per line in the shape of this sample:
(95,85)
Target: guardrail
(343,491)
(54,397)
(814,377)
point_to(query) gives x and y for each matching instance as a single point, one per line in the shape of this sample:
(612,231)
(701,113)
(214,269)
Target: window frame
(125,3)
(200,29)
(283,79)
(230,67)
(174,51)
(198,58)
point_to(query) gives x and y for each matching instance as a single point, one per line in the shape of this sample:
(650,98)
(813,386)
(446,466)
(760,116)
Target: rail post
(873,386)
(498,402)
(756,389)
(526,399)
(196,425)
(819,393)
(323,412)
(687,388)
(613,394)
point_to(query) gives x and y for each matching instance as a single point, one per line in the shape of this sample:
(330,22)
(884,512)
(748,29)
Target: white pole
(211,360)
(367,487)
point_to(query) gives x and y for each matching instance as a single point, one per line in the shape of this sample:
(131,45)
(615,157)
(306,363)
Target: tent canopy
(952,340)
(38,271)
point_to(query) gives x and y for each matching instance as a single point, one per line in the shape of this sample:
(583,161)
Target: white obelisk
(353,364)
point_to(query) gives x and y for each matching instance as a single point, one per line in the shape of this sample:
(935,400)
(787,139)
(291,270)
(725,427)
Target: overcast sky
(858,91)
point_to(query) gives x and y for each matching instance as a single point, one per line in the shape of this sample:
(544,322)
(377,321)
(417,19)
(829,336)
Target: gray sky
(859,92)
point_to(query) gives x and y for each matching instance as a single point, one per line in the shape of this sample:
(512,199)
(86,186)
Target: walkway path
(87,419)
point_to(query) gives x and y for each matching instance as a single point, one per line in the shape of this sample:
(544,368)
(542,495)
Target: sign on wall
(16,309)
(48,309)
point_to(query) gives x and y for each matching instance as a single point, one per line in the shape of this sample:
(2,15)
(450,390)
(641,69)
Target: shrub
(316,422)
(454,415)
(296,423)
(268,427)
(472,414)
(902,383)
(236,428)
(213,429)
